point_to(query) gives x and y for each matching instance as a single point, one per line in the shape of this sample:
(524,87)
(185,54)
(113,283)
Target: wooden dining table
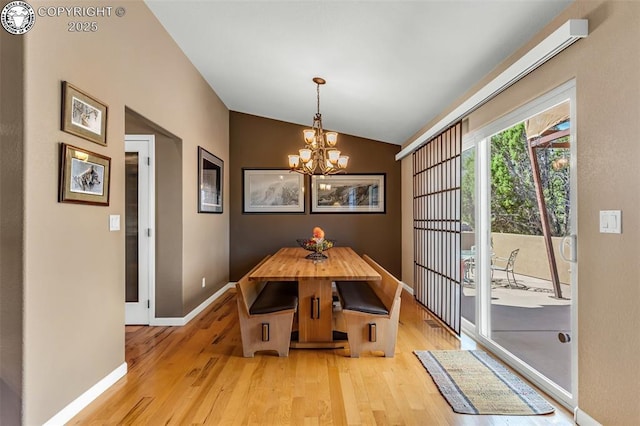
(314,278)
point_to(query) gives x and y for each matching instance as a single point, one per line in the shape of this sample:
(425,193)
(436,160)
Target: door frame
(480,331)
(150,239)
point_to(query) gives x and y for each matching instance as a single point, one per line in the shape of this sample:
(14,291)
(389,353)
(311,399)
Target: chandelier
(319,152)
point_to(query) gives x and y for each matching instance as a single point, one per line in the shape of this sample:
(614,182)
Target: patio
(526,322)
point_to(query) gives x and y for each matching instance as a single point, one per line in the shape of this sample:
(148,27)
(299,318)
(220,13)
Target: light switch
(114,222)
(610,221)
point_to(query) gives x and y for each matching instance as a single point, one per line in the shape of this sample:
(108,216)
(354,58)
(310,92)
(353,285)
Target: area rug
(474,383)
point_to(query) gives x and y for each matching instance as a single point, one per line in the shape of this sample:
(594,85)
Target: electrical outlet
(204,282)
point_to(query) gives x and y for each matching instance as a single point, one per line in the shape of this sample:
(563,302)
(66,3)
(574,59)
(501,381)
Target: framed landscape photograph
(83,115)
(84,176)
(348,193)
(272,191)
(210,174)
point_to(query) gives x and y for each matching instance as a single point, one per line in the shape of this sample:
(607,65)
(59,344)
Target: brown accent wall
(606,66)
(257,142)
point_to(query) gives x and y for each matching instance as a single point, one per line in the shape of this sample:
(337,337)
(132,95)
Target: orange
(318,232)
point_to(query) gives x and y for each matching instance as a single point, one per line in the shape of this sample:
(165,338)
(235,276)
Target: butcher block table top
(289,264)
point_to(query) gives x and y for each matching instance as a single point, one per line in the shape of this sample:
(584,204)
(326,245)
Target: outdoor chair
(469,268)
(509,264)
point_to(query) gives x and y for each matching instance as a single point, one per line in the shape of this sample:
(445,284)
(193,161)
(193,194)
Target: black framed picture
(352,193)
(210,182)
(272,191)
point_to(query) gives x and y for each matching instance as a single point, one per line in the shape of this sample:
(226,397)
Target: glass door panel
(131,226)
(468,234)
(530,210)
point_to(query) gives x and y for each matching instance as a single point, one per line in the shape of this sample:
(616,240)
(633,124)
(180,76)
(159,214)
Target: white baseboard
(77,405)
(407,287)
(68,412)
(583,419)
(177,321)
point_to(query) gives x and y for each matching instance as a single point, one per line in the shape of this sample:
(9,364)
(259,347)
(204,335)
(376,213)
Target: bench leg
(358,332)
(391,333)
(251,331)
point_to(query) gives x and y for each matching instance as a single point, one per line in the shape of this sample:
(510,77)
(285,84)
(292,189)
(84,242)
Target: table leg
(315,309)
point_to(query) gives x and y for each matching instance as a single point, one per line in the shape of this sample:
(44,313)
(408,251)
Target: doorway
(139,229)
(519,195)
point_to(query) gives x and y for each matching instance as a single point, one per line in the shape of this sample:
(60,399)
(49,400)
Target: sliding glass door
(518,178)
(468,234)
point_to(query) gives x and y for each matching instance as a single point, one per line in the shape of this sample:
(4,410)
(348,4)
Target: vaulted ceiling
(390,66)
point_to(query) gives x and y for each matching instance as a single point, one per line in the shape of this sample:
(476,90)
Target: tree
(554,173)
(513,200)
(514,208)
(468,188)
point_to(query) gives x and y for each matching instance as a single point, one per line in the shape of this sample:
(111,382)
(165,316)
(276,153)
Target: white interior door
(139,228)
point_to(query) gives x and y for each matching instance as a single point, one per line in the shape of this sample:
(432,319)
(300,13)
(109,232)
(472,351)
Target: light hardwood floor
(196,374)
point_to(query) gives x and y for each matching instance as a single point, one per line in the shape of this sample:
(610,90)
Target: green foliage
(514,208)
(468,188)
(513,200)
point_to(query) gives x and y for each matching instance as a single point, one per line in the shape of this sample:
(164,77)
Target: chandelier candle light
(319,152)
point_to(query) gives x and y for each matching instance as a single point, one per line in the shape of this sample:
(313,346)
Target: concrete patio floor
(526,322)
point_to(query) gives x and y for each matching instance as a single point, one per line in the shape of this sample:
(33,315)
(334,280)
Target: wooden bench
(371,311)
(266,311)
